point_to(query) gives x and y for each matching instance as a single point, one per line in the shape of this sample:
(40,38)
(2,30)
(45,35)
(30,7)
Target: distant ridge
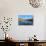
(20,19)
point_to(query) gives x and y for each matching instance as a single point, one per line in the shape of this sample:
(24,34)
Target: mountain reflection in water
(25,22)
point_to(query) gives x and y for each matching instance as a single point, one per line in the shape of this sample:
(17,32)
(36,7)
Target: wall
(12,8)
(24,32)
(45,28)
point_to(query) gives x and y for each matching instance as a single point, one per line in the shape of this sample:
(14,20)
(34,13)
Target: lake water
(26,23)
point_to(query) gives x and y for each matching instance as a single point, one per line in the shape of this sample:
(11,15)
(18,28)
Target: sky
(25,16)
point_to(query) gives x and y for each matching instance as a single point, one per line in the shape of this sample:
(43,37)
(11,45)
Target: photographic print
(25,20)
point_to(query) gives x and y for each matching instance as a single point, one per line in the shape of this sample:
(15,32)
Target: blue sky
(25,16)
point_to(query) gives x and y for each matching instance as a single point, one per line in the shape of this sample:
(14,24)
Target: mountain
(29,19)
(20,19)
